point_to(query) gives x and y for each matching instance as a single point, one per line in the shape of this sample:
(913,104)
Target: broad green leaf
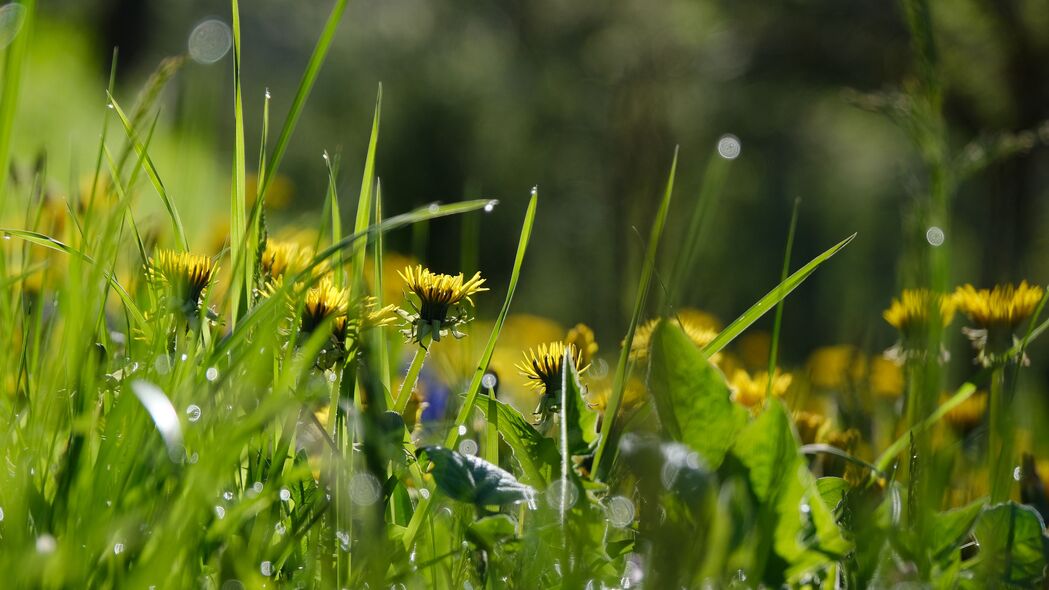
(691,395)
(469,478)
(1012,545)
(536,454)
(950,528)
(804,532)
(579,420)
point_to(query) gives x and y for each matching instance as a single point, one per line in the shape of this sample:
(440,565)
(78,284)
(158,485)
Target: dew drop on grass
(210,41)
(934,236)
(729,147)
(425,493)
(193,412)
(220,512)
(211,374)
(285,494)
(490,206)
(162,364)
(462,430)
(266,568)
(257,487)
(45,544)
(468,447)
(12,17)
(118,548)
(620,512)
(489,381)
(227,496)
(562,491)
(1,515)
(344,540)
(1017,473)
(364,489)
(434,208)
(279,528)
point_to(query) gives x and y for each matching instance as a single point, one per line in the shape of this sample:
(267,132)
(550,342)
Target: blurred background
(587,100)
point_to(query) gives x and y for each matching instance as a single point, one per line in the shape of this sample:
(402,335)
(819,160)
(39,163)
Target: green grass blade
(154,177)
(14,63)
(309,76)
(242,252)
(772,298)
(332,165)
(364,202)
(778,321)
(602,462)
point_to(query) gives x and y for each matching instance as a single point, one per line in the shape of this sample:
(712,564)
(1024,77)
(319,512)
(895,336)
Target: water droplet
(257,487)
(1017,473)
(266,568)
(364,489)
(805,508)
(268,94)
(220,512)
(489,381)
(331,376)
(162,364)
(934,236)
(324,155)
(344,539)
(1,515)
(462,430)
(184,357)
(118,548)
(194,458)
(468,447)
(285,494)
(210,41)
(562,492)
(227,496)
(490,206)
(729,147)
(279,528)
(12,17)
(193,412)
(434,208)
(45,544)
(535,190)
(211,374)
(425,493)
(620,512)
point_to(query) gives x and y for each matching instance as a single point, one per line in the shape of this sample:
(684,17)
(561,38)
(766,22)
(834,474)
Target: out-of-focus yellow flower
(325,301)
(886,378)
(280,257)
(836,367)
(845,440)
(750,390)
(279,194)
(444,302)
(633,396)
(969,414)
(393,285)
(754,348)
(910,313)
(811,426)
(699,334)
(582,338)
(1005,305)
(699,318)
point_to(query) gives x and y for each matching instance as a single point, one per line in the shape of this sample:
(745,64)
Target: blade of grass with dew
(151,171)
(364,201)
(486,357)
(331,164)
(778,321)
(309,76)
(601,463)
(14,62)
(111,88)
(772,298)
(242,252)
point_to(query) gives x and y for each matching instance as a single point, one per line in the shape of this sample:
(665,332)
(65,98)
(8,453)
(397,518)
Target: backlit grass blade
(771,299)
(778,322)
(331,163)
(49,242)
(14,62)
(309,76)
(154,177)
(242,252)
(364,202)
(602,462)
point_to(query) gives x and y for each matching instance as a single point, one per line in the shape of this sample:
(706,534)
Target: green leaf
(1012,547)
(804,532)
(950,528)
(488,532)
(469,478)
(578,420)
(771,299)
(691,395)
(536,454)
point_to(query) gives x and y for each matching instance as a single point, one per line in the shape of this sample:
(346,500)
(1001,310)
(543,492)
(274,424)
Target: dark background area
(587,100)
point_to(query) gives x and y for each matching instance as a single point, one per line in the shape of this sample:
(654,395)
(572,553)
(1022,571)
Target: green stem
(412,376)
(1000,449)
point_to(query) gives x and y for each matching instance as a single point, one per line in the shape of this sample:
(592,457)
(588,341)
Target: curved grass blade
(772,298)
(242,252)
(364,202)
(778,321)
(601,463)
(151,171)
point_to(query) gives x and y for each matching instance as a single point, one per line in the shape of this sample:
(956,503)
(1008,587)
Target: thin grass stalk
(412,376)
(778,321)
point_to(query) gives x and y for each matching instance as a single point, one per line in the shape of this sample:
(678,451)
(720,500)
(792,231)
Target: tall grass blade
(242,252)
(778,321)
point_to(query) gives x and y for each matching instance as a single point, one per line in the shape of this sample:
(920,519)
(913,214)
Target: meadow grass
(268,415)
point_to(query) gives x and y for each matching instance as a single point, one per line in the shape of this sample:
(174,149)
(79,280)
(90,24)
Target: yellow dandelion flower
(846,440)
(444,301)
(280,257)
(542,368)
(969,414)
(886,378)
(582,338)
(836,367)
(699,334)
(185,276)
(750,391)
(811,426)
(323,301)
(1005,305)
(911,311)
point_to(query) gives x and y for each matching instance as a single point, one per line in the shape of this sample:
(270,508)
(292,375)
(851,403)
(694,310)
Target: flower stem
(1000,450)
(412,376)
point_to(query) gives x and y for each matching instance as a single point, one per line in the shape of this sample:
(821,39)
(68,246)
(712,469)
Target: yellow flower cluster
(911,311)
(1004,305)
